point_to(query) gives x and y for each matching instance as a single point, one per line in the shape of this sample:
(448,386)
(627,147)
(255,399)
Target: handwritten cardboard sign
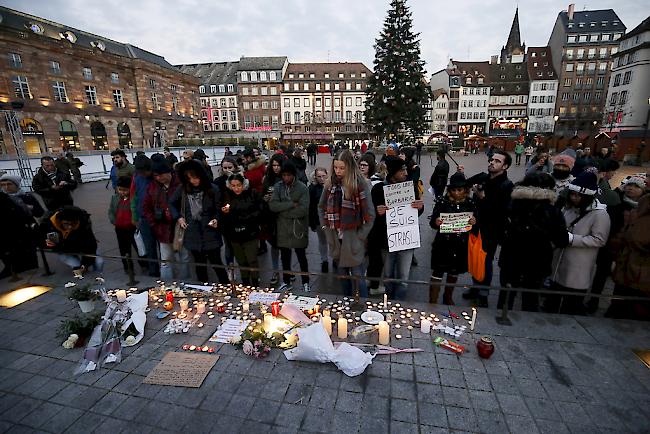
(455,222)
(182,369)
(262,297)
(402,227)
(301,302)
(401,193)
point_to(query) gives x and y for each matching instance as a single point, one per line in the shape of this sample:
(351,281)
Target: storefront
(33,136)
(98,133)
(68,136)
(124,136)
(466,130)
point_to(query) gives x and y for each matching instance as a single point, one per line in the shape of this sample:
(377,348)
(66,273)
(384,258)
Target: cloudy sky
(194,31)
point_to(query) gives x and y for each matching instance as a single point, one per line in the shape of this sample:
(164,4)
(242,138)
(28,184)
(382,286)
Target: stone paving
(550,373)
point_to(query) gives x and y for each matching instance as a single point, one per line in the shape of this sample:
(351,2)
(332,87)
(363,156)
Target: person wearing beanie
(630,191)
(290,201)
(588,226)
(157,212)
(438,180)
(10,184)
(397,265)
(540,162)
(534,228)
(141,179)
(121,216)
(562,166)
(346,216)
(449,250)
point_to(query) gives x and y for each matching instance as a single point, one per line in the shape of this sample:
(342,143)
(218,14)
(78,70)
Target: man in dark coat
(53,185)
(493,190)
(440,174)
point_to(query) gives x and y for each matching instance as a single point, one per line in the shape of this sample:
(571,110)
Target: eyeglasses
(363,164)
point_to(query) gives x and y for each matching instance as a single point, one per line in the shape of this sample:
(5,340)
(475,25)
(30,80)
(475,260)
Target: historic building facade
(324,102)
(80,91)
(582,45)
(543,90)
(474,96)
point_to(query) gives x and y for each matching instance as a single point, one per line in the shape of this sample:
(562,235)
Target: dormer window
(68,36)
(36,28)
(98,44)
(468,80)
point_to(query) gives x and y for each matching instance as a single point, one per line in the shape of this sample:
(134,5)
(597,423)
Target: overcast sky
(195,31)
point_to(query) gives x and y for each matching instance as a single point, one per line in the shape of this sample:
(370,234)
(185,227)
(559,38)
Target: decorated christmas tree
(397,92)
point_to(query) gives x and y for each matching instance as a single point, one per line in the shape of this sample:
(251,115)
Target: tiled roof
(510,83)
(19,21)
(213,73)
(319,69)
(261,63)
(540,56)
(643,27)
(592,21)
(474,69)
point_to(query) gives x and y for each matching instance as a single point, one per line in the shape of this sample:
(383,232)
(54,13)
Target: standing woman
(367,166)
(196,205)
(290,201)
(315,192)
(241,224)
(229,167)
(268,221)
(347,214)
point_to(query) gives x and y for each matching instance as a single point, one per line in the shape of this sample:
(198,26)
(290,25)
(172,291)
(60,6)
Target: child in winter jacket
(119,214)
(449,250)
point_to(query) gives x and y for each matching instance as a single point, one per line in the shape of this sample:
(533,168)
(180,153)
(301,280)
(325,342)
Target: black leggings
(214,257)
(285,255)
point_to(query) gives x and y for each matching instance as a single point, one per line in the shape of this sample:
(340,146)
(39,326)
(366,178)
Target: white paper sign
(262,297)
(455,222)
(230,329)
(401,193)
(204,288)
(302,303)
(403,228)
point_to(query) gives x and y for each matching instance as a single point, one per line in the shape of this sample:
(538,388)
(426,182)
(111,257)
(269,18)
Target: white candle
(385,301)
(425,326)
(268,319)
(326,320)
(384,333)
(342,328)
(183,303)
(473,319)
(245,306)
(121,295)
(200,308)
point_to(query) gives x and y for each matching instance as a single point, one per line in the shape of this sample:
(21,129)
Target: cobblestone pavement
(550,373)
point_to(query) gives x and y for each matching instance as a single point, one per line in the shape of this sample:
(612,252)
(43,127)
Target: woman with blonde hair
(346,215)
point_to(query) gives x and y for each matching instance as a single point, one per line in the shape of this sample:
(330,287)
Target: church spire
(513,45)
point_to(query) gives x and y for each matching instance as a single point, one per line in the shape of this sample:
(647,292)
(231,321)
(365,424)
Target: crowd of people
(562,227)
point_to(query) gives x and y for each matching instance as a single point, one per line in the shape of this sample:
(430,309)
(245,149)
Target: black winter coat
(438,180)
(54,198)
(198,235)
(315,192)
(242,223)
(492,210)
(449,251)
(534,229)
(80,240)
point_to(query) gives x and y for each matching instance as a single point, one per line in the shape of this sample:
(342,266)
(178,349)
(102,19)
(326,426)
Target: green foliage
(81,325)
(397,91)
(82,293)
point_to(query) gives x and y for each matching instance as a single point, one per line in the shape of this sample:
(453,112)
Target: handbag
(139,243)
(476,257)
(179,232)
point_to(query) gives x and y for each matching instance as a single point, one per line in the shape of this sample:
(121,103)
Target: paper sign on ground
(182,369)
(402,228)
(302,303)
(232,328)
(262,297)
(204,288)
(401,193)
(455,222)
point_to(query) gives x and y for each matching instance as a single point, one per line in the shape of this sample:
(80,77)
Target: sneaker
(305,287)
(275,278)
(324,267)
(284,286)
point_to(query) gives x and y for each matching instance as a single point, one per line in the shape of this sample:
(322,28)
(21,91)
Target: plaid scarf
(343,214)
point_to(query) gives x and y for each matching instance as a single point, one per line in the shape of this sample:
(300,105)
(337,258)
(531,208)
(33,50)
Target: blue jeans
(168,271)
(151,247)
(348,284)
(397,266)
(74,261)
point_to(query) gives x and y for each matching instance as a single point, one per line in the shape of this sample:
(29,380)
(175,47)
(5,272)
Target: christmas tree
(397,92)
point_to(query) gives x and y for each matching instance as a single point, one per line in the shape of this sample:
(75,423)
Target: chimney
(494,60)
(570,11)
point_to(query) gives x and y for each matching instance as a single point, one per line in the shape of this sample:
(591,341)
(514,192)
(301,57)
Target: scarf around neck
(345,214)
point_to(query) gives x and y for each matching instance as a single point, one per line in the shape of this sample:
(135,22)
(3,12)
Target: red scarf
(345,214)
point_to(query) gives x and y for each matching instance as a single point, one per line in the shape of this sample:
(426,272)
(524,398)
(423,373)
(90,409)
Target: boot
(434,292)
(447,297)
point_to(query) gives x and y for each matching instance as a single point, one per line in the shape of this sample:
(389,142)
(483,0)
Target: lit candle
(121,295)
(425,326)
(384,333)
(183,303)
(342,328)
(268,319)
(473,319)
(275,308)
(385,301)
(245,306)
(326,320)
(200,307)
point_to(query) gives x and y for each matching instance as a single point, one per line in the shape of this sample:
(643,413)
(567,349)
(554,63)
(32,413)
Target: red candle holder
(221,307)
(275,308)
(169,296)
(485,347)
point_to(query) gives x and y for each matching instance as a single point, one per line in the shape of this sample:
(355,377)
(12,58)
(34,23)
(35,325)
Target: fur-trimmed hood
(256,164)
(534,193)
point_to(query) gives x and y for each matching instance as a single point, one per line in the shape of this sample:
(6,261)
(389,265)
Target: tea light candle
(268,320)
(200,307)
(326,320)
(384,333)
(425,326)
(473,319)
(342,328)
(121,295)
(183,303)
(246,306)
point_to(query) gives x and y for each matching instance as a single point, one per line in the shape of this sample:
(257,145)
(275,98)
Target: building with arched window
(81,91)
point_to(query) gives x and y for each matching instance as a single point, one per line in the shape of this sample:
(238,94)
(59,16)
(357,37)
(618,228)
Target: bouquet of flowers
(257,343)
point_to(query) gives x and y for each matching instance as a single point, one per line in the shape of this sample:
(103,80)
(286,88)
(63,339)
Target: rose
(248,348)
(68,345)
(130,340)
